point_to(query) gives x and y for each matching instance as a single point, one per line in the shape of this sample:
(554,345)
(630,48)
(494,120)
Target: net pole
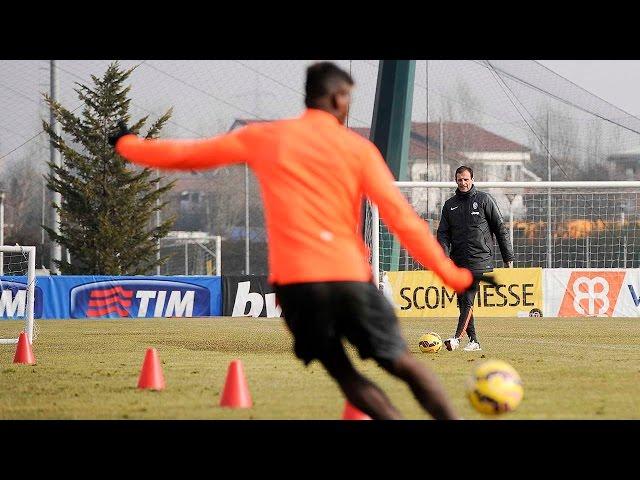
(31,281)
(1,230)
(375,244)
(218,255)
(43,213)
(511,222)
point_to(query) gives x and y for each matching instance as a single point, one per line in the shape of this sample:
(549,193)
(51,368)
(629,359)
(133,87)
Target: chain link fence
(510,120)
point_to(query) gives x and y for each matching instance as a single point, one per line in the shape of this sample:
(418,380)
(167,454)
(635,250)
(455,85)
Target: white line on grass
(584,344)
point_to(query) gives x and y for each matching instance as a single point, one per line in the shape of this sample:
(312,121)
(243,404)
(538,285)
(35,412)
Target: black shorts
(320,314)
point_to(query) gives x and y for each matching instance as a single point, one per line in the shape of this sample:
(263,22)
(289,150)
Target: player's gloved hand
(486,278)
(458,278)
(121,132)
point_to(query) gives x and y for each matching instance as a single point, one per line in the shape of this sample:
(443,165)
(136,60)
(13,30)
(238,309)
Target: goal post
(551,224)
(17,287)
(191,253)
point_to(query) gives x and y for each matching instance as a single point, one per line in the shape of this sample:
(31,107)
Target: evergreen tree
(107,204)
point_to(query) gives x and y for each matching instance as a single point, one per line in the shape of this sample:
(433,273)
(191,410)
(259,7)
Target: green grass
(571,368)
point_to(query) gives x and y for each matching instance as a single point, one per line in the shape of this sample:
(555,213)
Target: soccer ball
(430,342)
(495,388)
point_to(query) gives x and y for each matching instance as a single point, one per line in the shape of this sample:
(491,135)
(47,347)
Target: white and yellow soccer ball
(430,343)
(494,388)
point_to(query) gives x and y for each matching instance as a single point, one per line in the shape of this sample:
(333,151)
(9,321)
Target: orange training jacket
(313,173)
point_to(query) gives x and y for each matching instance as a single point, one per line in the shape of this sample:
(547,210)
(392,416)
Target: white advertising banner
(583,292)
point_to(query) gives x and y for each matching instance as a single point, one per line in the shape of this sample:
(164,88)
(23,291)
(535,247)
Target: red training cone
(352,413)
(236,390)
(151,374)
(23,351)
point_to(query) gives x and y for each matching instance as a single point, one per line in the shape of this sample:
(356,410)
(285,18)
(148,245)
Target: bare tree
(23,205)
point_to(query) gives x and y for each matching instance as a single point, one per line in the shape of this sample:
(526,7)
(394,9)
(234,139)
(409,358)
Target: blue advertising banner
(113,297)
(13,298)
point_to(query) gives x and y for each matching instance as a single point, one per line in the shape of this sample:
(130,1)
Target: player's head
(464,178)
(328,88)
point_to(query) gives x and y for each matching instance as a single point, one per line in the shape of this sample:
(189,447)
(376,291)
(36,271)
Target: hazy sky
(208,96)
(616,81)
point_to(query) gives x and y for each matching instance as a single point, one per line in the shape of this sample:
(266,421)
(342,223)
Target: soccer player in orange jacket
(313,174)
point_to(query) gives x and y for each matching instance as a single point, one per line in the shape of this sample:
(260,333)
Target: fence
(551,224)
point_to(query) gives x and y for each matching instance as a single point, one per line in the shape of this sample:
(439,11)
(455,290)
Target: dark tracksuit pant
(465,321)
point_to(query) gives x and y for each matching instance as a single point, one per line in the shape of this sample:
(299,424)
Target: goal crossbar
(536,185)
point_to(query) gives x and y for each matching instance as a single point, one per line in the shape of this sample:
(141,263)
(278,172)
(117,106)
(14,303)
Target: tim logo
(139,299)
(13,300)
(591,294)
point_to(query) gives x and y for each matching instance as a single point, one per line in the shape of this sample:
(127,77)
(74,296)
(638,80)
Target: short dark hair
(319,78)
(462,168)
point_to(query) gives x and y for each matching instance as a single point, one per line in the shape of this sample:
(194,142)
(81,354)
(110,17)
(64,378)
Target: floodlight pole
(246,219)
(441,152)
(549,258)
(158,222)
(56,249)
(441,193)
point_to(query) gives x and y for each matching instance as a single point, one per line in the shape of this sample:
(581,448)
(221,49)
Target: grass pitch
(584,368)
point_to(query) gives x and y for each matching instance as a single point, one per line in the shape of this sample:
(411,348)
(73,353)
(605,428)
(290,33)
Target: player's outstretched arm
(411,230)
(182,154)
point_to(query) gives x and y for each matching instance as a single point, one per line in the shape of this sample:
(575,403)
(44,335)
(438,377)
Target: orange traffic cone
(352,413)
(151,374)
(236,390)
(23,351)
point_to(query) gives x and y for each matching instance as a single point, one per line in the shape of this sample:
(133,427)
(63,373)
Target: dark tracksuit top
(467,225)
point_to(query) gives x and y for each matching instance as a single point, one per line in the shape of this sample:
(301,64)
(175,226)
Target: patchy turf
(571,368)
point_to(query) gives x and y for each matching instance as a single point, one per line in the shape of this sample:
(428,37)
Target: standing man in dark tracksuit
(468,222)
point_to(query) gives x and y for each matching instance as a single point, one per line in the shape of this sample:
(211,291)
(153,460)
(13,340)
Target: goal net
(17,290)
(551,224)
(191,253)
